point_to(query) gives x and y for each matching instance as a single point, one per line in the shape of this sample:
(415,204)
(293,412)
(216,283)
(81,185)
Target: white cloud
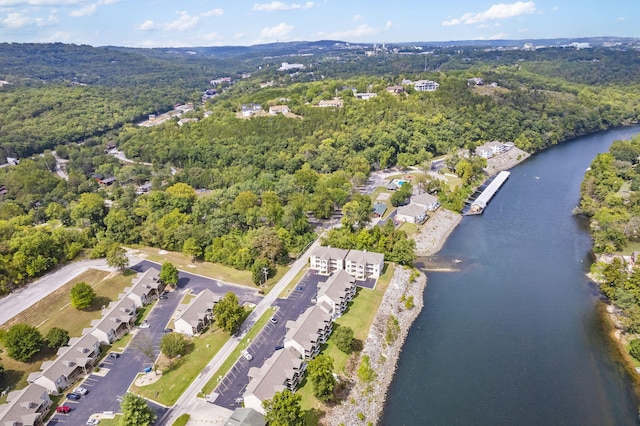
(496,11)
(620,19)
(87,10)
(17,20)
(388,26)
(212,37)
(357,18)
(278,5)
(240,35)
(214,12)
(183,23)
(147,25)
(499,36)
(59,36)
(54,3)
(279,32)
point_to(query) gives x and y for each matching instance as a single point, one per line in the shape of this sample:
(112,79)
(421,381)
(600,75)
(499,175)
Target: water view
(516,337)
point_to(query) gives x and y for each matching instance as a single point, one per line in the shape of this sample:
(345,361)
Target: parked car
(162,297)
(80,390)
(92,421)
(273,320)
(168,330)
(114,355)
(63,409)
(145,325)
(73,396)
(247,355)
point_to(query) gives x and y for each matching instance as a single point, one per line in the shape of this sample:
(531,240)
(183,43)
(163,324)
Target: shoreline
(365,402)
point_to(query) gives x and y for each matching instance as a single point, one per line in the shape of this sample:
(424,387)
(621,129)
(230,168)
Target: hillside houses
(491,149)
(331,103)
(248,110)
(426,86)
(418,208)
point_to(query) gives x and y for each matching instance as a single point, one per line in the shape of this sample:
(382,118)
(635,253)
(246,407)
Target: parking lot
(107,387)
(228,393)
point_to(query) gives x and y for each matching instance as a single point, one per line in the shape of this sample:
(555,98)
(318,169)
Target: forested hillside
(243,191)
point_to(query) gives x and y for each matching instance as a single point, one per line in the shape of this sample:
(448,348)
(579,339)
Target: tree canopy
(135,411)
(22,341)
(284,409)
(228,313)
(82,295)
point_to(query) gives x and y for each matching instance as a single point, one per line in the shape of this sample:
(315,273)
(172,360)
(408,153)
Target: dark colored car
(168,330)
(273,320)
(114,355)
(63,409)
(73,396)
(162,297)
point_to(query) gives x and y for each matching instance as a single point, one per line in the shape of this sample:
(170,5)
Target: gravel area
(433,234)
(506,160)
(365,402)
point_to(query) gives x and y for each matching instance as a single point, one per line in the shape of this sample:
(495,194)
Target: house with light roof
(327,259)
(146,289)
(26,407)
(335,294)
(198,314)
(117,320)
(364,264)
(309,332)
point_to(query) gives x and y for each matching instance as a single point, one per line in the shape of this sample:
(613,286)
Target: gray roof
(411,210)
(246,417)
(338,284)
(118,312)
(147,282)
(77,354)
(379,208)
(21,405)
(272,376)
(424,199)
(304,330)
(366,257)
(328,252)
(198,308)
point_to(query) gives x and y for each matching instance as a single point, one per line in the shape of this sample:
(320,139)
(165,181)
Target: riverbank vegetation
(248,193)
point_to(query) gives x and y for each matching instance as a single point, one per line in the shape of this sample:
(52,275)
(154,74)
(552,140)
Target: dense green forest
(247,192)
(610,197)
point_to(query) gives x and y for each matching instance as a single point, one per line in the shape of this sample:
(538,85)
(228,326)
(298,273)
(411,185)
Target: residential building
(117,320)
(287,66)
(198,314)
(309,331)
(426,201)
(475,81)
(379,209)
(26,407)
(426,86)
(146,288)
(364,264)
(250,109)
(144,188)
(395,89)
(326,259)
(246,417)
(332,103)
(278,109)
(365,96)
(411,213)
(336,293)
(490,149)
(72,362)
(283,370)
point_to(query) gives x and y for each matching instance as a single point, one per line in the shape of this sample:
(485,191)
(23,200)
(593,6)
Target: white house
(365,96)
(117,320)
(364,264)
(332,103)
(249,109)
(336,293)
(308,332)
(26,407)
(426,201)
(426,86)
(327,259)
(278,109)
(411,213)
(283,370)
(198,314)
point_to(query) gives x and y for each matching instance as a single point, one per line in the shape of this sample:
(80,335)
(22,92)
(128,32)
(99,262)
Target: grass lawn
(177,377)
(409,228)
(60,314)
(207,269)
(182,420)
(231,360)
(359,317)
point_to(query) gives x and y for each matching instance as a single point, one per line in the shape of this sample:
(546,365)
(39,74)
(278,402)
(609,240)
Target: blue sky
(159,23)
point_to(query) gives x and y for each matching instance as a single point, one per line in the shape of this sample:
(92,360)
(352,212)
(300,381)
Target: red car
(63,409)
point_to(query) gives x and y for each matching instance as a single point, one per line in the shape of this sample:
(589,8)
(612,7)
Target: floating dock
(480,203)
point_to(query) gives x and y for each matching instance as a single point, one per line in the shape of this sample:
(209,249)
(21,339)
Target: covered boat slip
(480,203)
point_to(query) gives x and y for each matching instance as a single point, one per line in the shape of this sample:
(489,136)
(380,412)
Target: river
(515,337)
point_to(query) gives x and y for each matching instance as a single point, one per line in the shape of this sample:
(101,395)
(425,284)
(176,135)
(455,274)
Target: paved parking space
(228,393)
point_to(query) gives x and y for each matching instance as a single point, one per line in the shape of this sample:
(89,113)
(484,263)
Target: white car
(92,421)
(145,325)
(82,391)
(247,355)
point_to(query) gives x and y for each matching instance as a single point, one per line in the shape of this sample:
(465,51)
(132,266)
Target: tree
(261,271)
(135,411)
(57,337)
(320,370)
(169,274)
(228,312)
(365,372)
(634,348)
(283,409)
(147,347)
(192,248)
(82,295)
(22,341)
(117,257)
(173,345)
(343,338)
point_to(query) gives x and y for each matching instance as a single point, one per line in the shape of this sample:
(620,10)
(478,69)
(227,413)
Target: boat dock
(480,203)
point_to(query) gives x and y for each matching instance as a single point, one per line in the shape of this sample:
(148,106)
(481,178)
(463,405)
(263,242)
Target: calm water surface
(515,337)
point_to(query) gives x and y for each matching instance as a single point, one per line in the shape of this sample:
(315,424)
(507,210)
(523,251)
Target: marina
(480,203)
